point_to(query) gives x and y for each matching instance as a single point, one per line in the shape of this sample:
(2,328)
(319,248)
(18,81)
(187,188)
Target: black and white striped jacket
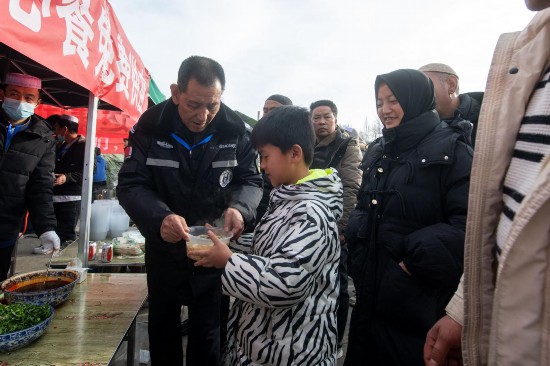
(286,288)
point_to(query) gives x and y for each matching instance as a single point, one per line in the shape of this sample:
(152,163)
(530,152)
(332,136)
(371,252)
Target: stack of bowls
(100,218)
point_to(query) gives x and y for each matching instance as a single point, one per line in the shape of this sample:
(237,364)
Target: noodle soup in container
(199,240)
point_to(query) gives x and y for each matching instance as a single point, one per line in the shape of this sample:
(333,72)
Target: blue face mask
(60,138)
(17,110)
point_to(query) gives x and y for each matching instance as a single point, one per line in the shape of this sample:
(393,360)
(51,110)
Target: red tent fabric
(111,128)
(83,41)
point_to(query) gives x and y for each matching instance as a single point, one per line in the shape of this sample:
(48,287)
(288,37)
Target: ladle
(48,270)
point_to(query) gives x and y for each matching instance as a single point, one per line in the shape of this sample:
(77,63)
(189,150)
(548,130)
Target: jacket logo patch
(227,146)
(165,145)
(127,152)
(226,177)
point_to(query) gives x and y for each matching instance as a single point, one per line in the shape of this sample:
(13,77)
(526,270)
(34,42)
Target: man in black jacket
(26,167)
(189,162)
(272,102)
(69,170)
(452,107)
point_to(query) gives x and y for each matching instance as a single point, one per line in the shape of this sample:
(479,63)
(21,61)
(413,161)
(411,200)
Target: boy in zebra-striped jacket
(286,281)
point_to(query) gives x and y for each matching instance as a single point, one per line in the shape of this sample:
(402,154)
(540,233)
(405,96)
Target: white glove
(49,239)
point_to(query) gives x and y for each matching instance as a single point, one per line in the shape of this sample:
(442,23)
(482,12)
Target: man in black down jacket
(189,162)
(454,108)
(27,153)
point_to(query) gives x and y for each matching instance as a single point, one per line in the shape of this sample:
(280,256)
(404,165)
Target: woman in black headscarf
(406,234)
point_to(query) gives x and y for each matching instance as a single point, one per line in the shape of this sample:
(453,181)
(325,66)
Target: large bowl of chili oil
(37,288)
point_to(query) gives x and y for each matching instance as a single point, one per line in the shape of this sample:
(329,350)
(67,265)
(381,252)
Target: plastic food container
(119,223)
(199,240)
(100,219)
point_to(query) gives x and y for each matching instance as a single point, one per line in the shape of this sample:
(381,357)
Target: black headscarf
(412,88)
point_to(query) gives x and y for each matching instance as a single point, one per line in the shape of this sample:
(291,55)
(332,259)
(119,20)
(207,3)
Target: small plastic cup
(199,240)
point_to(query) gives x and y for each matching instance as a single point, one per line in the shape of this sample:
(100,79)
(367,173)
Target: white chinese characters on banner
(124,68)
(130,72)
(138,86)
(105,49)
(33,19)
(105,141)
(78,22)
(87,30)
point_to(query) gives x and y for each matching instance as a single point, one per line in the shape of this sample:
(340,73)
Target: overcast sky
(317,49)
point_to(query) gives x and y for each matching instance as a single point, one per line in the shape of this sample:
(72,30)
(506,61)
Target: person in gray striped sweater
(500,313)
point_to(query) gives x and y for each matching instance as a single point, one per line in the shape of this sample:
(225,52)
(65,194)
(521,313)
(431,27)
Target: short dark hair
(284,100)
(205,70)
(62,122)
(324,103)
(284,127)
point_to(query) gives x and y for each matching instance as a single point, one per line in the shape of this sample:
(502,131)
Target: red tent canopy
(82,43)
(81,40)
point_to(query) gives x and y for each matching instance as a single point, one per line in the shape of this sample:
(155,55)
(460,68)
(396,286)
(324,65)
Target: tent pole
(87,180)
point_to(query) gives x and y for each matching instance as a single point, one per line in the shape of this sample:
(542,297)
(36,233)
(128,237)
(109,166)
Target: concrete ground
(27,261)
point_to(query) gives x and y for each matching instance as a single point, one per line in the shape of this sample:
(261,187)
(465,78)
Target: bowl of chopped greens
(40,287)
(199,240)
(21,324)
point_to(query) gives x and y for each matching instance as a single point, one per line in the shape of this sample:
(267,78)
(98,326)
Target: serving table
(71,251)
(89,327)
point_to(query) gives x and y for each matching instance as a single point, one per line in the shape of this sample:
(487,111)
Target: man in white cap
(274,101)
(27,158)
(452,106)
(69,170)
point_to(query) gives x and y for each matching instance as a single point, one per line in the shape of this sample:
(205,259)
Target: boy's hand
(215,257)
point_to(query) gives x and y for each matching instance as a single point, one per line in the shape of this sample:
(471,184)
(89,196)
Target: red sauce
(50,284)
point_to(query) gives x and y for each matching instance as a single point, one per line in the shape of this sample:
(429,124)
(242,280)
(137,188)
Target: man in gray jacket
(335,148)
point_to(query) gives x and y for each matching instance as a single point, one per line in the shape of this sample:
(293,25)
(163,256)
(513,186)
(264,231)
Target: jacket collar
(407,135)
(36,126)
(469,108)
(328,139)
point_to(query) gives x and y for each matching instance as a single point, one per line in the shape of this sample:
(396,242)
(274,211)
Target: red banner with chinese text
(81,40)
(112,126)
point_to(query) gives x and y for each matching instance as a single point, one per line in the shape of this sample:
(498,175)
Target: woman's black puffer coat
(411,208)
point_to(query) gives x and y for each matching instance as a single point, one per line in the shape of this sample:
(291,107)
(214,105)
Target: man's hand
(443,344)
(233,222)
(215,257)
(174,229)
(60,179)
